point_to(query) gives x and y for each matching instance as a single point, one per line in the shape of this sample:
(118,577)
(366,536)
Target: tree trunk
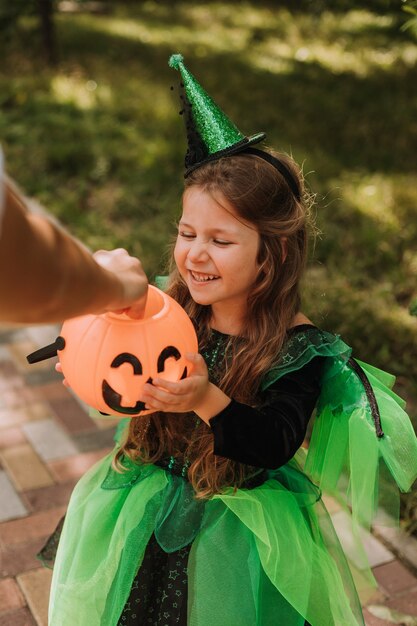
(45,12)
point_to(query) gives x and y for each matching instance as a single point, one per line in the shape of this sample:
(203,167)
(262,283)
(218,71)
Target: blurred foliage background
(90,127)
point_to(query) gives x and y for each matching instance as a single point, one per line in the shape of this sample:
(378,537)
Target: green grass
(99,141)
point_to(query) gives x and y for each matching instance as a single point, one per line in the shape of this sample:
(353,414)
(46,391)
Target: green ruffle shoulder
(363,446)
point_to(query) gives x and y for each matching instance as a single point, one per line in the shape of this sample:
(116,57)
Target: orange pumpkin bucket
(108,358)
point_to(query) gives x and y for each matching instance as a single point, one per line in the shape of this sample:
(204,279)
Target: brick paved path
(47,441)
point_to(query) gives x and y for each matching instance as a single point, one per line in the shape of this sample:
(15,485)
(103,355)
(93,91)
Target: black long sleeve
(270,435)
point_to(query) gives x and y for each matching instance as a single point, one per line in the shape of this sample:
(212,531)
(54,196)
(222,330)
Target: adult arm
(47,276)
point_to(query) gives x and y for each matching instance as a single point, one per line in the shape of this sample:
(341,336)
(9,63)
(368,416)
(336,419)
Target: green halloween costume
(264,556)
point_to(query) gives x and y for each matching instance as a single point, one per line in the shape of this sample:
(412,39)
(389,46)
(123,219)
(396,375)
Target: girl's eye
(188,235)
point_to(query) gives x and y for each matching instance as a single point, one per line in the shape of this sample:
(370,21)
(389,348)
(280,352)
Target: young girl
(203,516)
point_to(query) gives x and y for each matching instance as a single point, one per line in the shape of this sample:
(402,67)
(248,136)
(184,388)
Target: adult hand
(128,271)
(181,396)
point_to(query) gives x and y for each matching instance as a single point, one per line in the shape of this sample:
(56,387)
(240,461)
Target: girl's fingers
(58,368)
(200,367)
(159,395)
(152,404)
(173,387)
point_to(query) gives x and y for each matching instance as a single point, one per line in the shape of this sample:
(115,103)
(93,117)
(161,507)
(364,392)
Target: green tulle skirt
(263,556)
(267,556)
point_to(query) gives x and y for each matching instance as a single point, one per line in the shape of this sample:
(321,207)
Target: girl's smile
(202,278)
(216,253)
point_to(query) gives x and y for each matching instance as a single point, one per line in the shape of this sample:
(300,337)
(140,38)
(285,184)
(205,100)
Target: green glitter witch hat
(210,133)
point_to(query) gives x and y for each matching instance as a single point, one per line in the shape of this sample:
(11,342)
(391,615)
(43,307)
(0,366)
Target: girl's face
(216,252)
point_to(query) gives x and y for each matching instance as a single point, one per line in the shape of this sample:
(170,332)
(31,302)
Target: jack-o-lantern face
(107,359)
(115,400)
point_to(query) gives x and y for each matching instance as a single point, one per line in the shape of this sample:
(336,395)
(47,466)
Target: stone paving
(47,441)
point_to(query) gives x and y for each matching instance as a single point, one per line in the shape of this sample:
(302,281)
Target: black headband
(280,166)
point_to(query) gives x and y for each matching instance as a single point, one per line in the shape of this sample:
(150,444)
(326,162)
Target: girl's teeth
(203,277)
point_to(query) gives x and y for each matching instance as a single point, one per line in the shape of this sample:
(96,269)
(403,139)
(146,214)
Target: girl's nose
(198,251)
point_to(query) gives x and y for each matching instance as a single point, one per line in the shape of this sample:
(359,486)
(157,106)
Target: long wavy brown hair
(262,198)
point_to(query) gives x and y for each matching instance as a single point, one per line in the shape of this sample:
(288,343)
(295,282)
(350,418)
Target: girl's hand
(181,396)
(58,368)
